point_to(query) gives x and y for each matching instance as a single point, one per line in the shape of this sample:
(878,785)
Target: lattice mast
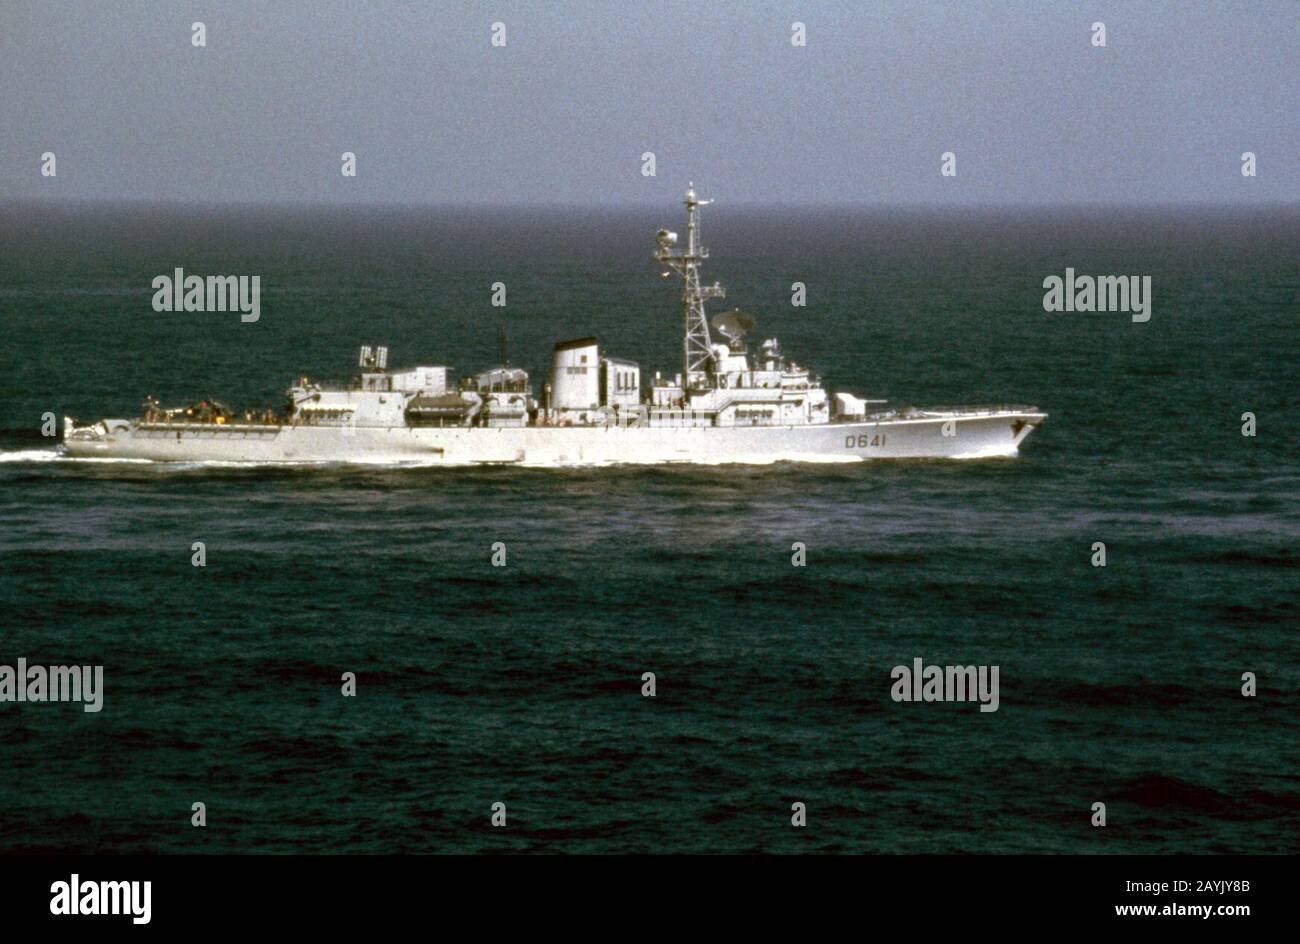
(697,351)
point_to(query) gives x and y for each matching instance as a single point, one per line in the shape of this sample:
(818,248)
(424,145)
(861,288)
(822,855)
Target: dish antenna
(733,325)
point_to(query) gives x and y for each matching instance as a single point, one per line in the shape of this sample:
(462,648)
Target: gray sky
(1034,112)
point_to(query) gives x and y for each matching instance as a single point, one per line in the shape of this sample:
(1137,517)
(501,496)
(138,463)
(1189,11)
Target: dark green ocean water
(522,684)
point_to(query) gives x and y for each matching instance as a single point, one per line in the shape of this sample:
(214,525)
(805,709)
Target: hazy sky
(563,112)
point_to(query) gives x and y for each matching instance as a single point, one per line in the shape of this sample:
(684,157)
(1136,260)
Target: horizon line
(307,204)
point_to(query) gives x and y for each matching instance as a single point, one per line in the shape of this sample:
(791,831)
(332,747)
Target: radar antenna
(373,358)
(697,348)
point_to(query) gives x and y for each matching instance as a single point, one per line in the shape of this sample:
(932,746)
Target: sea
(1164,685)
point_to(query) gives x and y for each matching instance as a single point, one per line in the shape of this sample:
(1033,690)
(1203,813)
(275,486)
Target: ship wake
(37,456)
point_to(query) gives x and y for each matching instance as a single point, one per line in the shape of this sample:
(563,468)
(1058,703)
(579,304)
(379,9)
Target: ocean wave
(30,455)
(55,455)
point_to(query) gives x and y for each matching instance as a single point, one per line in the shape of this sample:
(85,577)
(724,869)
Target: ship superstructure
(726,404)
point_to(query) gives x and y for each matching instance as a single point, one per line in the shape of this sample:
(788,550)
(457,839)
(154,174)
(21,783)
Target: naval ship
(728,404)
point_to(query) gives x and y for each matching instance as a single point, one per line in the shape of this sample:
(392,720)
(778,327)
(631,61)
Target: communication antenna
(503,347)
(697,347)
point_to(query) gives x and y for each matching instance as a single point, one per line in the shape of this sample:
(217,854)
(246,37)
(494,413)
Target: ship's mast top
(697,348)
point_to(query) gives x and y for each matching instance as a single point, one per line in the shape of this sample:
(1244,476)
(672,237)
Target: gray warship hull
(967,434)
(728,404)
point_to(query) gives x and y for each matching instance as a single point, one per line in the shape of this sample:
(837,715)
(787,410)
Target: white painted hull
(969,435)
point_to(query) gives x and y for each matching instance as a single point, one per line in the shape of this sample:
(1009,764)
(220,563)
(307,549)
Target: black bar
(330,893)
